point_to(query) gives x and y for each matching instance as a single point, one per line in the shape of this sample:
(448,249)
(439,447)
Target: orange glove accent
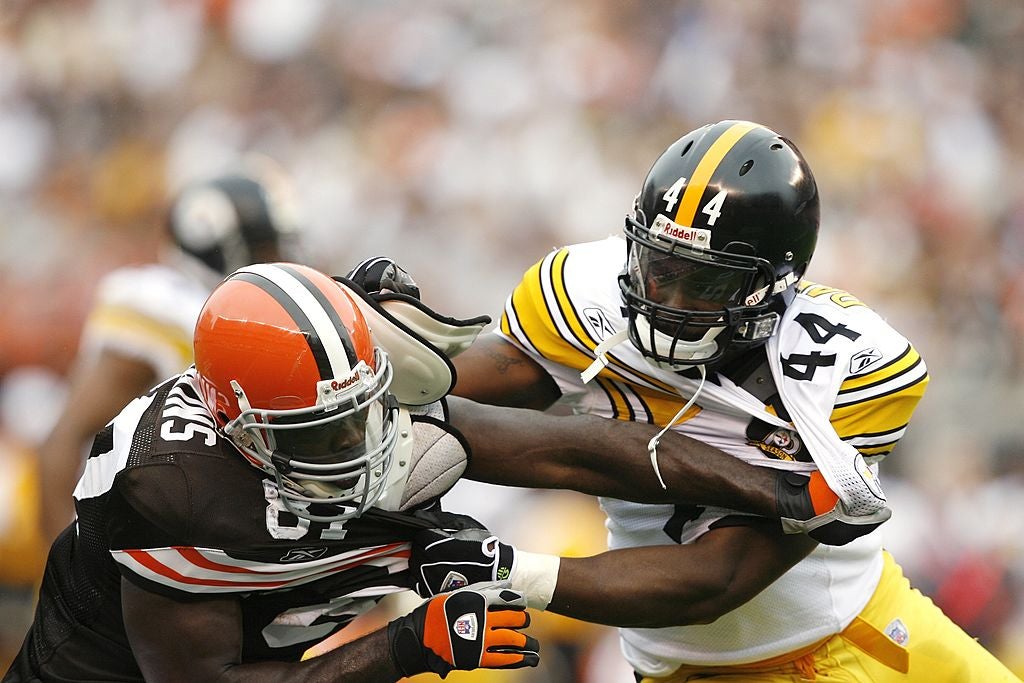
(823,499)
(467,629)
(807,505)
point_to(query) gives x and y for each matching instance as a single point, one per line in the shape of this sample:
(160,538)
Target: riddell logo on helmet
(345,383)
(330,392)
(695,237)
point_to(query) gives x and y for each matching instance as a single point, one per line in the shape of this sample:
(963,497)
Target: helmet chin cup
(674,354)
(355,485)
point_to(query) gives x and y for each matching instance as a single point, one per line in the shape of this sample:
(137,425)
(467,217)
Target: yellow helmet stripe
(696,185)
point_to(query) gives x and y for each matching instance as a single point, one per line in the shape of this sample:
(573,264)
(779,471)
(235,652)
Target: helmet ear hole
(741,248)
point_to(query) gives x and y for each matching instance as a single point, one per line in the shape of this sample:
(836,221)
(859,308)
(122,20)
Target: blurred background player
(139,330)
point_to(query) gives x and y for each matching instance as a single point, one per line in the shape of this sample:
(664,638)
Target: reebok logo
(303,554)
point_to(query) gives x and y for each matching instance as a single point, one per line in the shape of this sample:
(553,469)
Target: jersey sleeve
(874,406)
(542,318)
(165,539)
(881,376)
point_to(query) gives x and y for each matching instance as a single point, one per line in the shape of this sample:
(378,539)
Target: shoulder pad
(419,341)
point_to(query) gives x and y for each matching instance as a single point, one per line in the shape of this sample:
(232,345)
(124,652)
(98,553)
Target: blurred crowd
(467,138)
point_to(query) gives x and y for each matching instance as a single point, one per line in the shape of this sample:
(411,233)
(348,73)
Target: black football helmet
(721,232)
(234,220)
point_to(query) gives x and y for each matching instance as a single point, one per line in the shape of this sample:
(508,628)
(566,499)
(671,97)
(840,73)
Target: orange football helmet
(286,364)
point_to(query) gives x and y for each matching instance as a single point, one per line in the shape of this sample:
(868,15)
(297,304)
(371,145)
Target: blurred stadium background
(466,138)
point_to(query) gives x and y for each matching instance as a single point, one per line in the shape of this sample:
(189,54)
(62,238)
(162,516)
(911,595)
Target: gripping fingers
(512,656)
(507,617)
(466,629)
(505,647)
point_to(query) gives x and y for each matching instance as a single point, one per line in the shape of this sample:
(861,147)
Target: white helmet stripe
(328,337)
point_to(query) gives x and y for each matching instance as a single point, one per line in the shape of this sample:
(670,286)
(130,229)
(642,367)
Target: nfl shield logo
(465,626)
(453,581)
(897,632)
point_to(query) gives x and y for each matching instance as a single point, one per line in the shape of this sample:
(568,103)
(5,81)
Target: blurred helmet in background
(235,220)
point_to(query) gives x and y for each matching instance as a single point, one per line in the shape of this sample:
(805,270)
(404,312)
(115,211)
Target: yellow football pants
(899,636)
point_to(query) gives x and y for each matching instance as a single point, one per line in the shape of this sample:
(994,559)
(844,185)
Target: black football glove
(467,629)
(807,505)
(445,560)
(381,275)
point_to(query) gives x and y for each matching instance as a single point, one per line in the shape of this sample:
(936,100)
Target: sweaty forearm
(366,660)
(635,588)
(606,457)
(201,640)
(676,585)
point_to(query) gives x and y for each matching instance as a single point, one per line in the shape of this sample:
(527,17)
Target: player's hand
(808,506)
(444,560)
(381,275)
(467,629)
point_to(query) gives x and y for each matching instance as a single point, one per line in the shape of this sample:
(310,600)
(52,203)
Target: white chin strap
(601,361)
(652,445)
(601,353)
(684,351)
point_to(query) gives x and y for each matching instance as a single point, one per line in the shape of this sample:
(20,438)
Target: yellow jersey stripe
(621,408)
(575,323)
(882,413)
(535,315)
(696,185)
(122,321)
(904,362)
(627,400)
(505,325)
(536,320)
(565,307)
(663,408)
(876,450)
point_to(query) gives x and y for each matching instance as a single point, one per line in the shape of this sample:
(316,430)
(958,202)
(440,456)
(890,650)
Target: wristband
(535,576)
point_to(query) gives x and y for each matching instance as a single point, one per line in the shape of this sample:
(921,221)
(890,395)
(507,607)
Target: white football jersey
(149,313)
(836,356)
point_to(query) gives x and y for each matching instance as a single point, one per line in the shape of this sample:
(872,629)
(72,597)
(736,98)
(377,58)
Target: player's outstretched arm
(675,585)
(610,457)
(643,587)
(202,640)
(520,447)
